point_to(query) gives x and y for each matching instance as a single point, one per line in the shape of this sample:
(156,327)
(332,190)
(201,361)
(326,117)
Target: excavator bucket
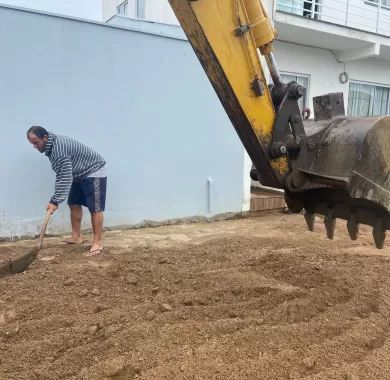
(335,165)
(342,170)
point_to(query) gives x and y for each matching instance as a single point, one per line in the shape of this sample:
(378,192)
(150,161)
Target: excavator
(331,165)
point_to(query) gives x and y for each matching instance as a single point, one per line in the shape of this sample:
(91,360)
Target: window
(290,6)
(386,4)
(368,99)
(123,9)
(311,8)
(307,8)
(383,3)
(303,80)
(132,9)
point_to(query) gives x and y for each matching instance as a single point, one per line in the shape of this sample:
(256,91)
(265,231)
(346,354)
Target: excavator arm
(335,166)
(230,58)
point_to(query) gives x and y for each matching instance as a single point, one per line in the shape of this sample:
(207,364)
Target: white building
(85,9)
(326,45)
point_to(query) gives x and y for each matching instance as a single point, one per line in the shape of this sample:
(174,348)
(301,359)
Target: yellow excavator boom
(226,36)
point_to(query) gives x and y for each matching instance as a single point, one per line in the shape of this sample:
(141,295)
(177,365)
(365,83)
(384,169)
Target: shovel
(21,262)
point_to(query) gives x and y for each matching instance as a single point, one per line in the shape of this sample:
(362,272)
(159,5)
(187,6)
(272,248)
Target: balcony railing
(368,15)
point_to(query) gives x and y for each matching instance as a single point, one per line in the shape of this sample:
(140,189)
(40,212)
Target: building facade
(150,10)
(326,45)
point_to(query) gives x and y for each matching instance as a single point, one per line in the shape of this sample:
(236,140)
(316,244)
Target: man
(80,176)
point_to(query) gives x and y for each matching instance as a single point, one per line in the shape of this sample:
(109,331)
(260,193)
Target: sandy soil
(254,298)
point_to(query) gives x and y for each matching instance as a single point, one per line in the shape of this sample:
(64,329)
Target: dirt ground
(253,298)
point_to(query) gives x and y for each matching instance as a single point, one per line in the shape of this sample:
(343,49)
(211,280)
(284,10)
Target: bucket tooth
(309,218)
(379,234)
(330,224)
(353,227)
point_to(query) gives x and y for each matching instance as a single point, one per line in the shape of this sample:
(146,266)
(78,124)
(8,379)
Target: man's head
(38,137)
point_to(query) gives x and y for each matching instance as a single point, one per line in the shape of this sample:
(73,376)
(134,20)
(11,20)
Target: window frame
(375,3)
(139,9)
(125,6)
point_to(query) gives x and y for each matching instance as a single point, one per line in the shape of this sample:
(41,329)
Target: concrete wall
(141,100)
(86,9)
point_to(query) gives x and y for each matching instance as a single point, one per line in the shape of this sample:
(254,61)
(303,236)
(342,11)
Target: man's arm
(64,179)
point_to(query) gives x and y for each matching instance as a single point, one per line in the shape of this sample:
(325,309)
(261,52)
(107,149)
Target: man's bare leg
(76,214)
(97,226)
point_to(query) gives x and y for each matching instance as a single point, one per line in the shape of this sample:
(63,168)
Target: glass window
(290,6)
(307,8)
(368,99)
(303,80)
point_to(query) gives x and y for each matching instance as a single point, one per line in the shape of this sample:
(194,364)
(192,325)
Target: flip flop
(95,252)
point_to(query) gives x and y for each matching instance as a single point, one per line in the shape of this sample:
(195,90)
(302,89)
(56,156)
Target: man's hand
(51,208)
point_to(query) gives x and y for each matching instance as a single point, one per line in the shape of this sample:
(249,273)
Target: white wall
(141,100)
(324,70)
(86,9)
(160,10)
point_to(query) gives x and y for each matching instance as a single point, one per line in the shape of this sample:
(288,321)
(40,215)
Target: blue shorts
(90,192)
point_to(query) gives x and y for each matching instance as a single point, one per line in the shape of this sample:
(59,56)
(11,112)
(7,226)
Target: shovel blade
(5,268)
(23,261)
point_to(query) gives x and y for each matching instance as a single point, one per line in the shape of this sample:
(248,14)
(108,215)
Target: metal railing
(368,15)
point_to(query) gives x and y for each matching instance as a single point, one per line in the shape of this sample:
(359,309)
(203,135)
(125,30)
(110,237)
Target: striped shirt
(72,161)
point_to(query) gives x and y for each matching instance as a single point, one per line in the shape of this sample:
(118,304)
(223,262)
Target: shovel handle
(43,229)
